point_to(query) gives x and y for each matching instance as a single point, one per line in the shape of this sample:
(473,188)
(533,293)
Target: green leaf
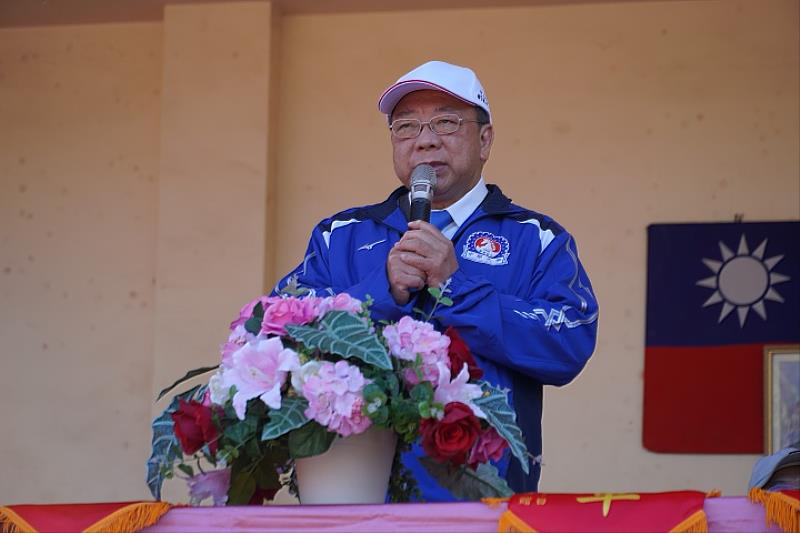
(311,439)
(446,301)
(503,418)
(384,380)
(392,384)
(186,469)
(189,375)
(253,325)
(468,484)
(293,287)
(373,392)
(265,471)
(424,409)
(380,417)
(404,415)
(165,446)
(243,486)
(251,449)
(344,334)
(436,292)
(290,416)
(266,476)
(422,392)
(227,453)
(239,431)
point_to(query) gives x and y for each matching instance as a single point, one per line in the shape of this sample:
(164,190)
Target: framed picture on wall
(781,396)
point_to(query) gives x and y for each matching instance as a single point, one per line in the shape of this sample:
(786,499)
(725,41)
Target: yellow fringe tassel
(757,495)
(695,523)
(511,523)
(130,518)
(494,502)
(780,509)
(11,522)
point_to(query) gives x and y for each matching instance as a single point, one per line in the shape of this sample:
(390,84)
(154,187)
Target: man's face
(458,158)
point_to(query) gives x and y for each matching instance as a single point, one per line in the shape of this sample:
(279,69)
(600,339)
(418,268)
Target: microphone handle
(420,209)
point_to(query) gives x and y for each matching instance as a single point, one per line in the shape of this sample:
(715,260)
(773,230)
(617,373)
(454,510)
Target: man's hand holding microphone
(423,256)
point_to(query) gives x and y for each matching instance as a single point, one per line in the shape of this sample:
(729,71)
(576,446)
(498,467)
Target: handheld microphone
(423,181)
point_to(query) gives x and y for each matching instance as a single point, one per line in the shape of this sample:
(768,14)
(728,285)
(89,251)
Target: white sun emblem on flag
(743,280)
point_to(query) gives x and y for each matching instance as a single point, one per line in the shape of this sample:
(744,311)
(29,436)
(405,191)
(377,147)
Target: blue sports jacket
(521,301)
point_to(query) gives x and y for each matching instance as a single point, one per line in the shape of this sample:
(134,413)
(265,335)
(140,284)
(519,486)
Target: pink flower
(246,312)
(238,338)
(490,445)
(410,337)
(334,394)
(458,390)
(214,484)
(259,370)
(340,302)
(299,376)
(279,311)
(429,368)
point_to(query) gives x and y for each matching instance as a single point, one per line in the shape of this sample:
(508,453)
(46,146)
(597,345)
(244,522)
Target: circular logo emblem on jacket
(487,248)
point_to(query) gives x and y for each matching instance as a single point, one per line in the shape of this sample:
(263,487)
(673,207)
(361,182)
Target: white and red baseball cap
(460,82)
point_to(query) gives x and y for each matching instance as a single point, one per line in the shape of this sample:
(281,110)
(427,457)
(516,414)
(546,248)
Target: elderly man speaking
(521,298)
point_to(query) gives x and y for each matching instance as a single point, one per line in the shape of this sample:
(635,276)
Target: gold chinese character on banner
(606,498)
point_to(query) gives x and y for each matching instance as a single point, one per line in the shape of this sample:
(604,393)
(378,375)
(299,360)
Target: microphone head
(423,181)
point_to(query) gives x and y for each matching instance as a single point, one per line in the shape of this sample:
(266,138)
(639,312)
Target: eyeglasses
(409,128)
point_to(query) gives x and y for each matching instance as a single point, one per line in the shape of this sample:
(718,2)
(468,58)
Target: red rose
(490,445)
(194,427)
(459,354)
(450,438)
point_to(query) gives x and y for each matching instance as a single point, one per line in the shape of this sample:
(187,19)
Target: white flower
(458,390)
(219,391)
(301,375)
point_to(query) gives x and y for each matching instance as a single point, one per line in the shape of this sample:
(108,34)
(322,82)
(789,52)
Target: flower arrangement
(299,371)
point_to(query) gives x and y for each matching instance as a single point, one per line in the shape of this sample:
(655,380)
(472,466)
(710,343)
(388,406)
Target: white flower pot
(355,469)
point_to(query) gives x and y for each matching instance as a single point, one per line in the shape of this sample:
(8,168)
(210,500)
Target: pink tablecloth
(735,514)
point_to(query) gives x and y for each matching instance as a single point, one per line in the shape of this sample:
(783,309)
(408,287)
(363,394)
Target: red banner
(640,512)
(85,517)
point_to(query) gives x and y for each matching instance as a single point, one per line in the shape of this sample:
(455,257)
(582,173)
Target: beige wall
(212,186)
(79,119)
(138,152)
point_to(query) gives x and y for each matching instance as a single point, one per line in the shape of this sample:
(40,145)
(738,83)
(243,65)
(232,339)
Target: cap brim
(396,92)
(766,466)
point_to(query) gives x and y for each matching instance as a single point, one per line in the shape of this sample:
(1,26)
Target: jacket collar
(394,211)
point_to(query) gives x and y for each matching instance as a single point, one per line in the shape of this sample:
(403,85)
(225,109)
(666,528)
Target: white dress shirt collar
(461,210)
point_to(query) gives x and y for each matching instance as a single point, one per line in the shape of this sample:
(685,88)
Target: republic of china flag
(716,295)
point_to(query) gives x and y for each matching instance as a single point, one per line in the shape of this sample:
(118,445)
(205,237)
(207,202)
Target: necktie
(441,219)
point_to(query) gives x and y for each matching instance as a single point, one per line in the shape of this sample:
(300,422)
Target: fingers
(420,227)
(423,239)
(427,250)
(403,276)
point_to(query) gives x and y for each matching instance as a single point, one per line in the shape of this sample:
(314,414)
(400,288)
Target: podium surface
(728,514)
